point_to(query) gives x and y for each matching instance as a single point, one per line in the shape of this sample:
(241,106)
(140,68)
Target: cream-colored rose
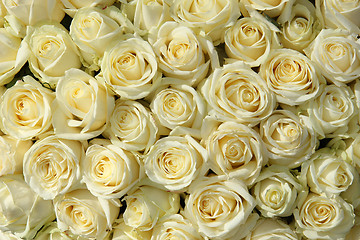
(12,153)
(175,227)
(182,53)
(71,6)
(125,232)
(52,52)
(26,109)
(319,217)
(353,150)
(234,149)
(94,30)
(151,14)
(175,161)
(288,140)
(331,113)
(83,106)
(51,166)
(300,25)
(337,53)
(293,77)
(326,173)
(272,8)
(13,56)
(50,231)
(340,14)
(271,228)
(235,92)
(178,106)
(211,16)
(22,211)
(108,170)
(276,191)
(132,126)
(8,235)
(220,208)
(86,215)
(250,40)
(146,205)
(130,68)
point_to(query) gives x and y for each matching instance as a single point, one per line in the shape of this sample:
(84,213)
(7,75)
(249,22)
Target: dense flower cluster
(179,119)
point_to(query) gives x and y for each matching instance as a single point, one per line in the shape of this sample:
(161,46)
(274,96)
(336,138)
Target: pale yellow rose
(300,25)
(130,68)
(146,205)
(175,161)
(86,215)
(26,109)
(83,106)
(272,228)
(52,52)
(276,191)
(234,150)
(125,232)
(272,8)
(235,92)
(132,126)
(250,40)
(320,217)
(182,53)
(12,152)
(293,77)
(52,166)
(175,227)
(220,208)
(22,211)
(337,54)
(108,170)
(14,54)
(50,231)
(340,14)
(71,6)
(288,140)
(8,235)
(211,16)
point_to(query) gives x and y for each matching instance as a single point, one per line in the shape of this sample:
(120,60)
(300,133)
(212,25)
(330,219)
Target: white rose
(211,16)
(175,162)
(353,150)
(272,8)
(50,231)
(235,92)
(300,25)
(51,166)
(337,53)
(151,14)
(291,76)
(14,54)
(276,192)
(235,150)
(22,211)
(83,106)
(175,227)
(12,152)
(182,53)
(108,170)
(72,6)
(319,217)
(250,40)
(271,228)
(331,113)
(52,52)
(94,30)
(340,14)
(178,106)
(125,232)
(288,140)
(220,208)
(85,215)
(26,109)
(132,126)
(130,68)
(146,205)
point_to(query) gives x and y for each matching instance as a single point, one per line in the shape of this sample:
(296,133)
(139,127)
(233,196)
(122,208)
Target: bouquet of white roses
(179,119)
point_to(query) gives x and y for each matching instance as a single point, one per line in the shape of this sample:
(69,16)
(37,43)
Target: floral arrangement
(179,119)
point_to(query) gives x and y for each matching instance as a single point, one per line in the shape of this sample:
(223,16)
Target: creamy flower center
(49,48)
(242,94)
(299,25)
(26,109)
